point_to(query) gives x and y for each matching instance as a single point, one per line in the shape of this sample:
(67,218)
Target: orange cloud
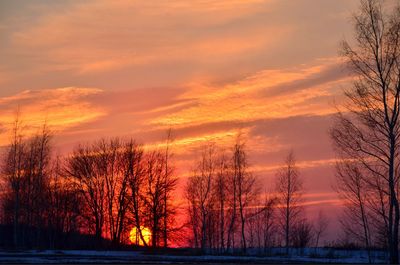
(300,164)
(260,96)
(60,108)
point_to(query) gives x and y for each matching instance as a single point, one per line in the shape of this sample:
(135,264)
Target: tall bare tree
(170,182)
(232,212)
(246,188)
(108,165)
(199,194)
(369,131)
(133,168)
(221,194)
(157,187)
(36,177)
(289,187)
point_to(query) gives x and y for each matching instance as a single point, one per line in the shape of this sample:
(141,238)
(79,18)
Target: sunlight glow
(135,238)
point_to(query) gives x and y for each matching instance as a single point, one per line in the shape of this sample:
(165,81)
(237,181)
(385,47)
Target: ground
(136,257)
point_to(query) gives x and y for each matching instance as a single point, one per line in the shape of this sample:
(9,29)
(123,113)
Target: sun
(134,236)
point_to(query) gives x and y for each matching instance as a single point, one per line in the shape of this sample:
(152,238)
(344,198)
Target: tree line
(229,212)
(103,189)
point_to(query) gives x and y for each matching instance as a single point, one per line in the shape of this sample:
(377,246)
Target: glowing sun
(135,238)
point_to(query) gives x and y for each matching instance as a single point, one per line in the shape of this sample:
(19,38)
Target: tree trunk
(16,217)
(393,242)
(287,230)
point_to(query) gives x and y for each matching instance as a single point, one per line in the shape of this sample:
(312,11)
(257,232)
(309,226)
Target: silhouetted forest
(105,190)
(102,189)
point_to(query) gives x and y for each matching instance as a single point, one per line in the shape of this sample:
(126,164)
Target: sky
(269,69)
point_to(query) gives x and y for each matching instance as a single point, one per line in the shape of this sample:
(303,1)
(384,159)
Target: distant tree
(321,225)
(198,192)
(302,234)
(353,190)
(232,213)
(289,187)
(170,183)
(269,224)
(219,195)
(262,223)
(223,169)
(193,210)
(246,188)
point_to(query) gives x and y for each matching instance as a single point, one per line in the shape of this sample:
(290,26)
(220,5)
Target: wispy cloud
(60,108)
(266,94)
(141,33)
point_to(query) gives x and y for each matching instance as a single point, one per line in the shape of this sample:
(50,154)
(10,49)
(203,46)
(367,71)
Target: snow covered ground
(134,257)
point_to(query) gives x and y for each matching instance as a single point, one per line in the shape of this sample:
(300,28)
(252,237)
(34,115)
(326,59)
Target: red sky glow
(207,69)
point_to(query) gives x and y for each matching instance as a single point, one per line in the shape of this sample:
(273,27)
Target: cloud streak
(60,108)
(267,94)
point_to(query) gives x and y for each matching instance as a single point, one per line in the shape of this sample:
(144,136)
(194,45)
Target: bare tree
(269,220)
(200,197)
(246,189)
(289,187)
(369,133)
(353,190)
(62,213)
(153,194)
(193,211)
(261,227)
(36,177)
(108,165)
(81,167)
(157,185)
(321,225)
(302,234)
(26,168)
(13,170)
(221,196)
(232,210)
(133,168)
(170,182)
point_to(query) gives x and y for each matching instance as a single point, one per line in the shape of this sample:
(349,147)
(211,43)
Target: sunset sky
(207,69)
